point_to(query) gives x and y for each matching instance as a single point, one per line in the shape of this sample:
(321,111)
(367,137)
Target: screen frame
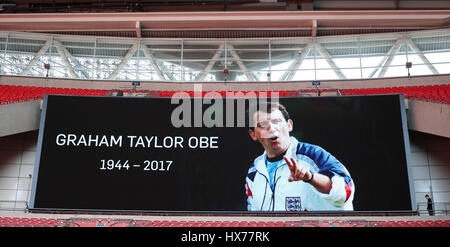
(406,142)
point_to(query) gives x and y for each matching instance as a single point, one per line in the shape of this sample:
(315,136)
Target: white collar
(260,161)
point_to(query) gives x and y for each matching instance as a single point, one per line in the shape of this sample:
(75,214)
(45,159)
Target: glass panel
(278,59)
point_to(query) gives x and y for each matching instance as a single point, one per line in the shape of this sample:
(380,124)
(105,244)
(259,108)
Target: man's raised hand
(297,173)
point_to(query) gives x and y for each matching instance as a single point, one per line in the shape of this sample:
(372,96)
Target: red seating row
(14,94)
(224,94)
(429,93)
(410,223)
(166,223)
(42,222)
(24,222)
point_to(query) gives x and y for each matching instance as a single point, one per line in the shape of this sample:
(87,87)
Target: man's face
(272,131)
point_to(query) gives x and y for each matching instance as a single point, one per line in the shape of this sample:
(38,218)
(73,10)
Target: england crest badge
(293,204)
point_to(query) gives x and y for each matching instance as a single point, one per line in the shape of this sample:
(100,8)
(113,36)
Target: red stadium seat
(270,224)
(252,224)
(225,224)
(199,224)
(165,223)
(279,224)
(174,223)
(208,223)
(217,223)
(243,224)
(261,224)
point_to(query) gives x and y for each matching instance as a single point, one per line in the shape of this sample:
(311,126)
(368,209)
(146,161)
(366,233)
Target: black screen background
(364,132)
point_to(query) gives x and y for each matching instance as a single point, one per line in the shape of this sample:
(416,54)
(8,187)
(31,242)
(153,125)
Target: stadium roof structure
(226,45)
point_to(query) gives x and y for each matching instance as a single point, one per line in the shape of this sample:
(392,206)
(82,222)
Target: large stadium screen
(214,154)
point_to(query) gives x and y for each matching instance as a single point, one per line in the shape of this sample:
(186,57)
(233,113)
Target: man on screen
(292,175)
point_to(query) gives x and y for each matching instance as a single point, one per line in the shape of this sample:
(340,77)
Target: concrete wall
(19,117)
(17,157)
(429,117)
(430,161)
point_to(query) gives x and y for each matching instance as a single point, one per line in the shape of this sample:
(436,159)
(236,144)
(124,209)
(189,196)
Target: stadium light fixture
(47,67)
(408,66)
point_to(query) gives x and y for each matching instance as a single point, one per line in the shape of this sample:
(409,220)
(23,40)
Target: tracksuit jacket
(299,195)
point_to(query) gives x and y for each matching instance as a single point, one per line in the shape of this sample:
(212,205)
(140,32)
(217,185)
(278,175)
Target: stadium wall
(17,157)
(18,118)
(429,117)
(430,161)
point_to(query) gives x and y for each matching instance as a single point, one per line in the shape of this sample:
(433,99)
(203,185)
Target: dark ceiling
(222,18)
(99,6)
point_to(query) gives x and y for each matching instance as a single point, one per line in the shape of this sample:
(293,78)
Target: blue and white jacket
(299,195)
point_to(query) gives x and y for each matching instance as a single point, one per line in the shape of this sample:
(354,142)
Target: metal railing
(439,208)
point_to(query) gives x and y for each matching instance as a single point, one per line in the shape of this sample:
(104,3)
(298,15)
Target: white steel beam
(387,60)
(63,53)
(123,62)
(241,64)
(79,66)
(330,61)
(211,63)
(152,61)
(288,75)
(41,52)
(422,56)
